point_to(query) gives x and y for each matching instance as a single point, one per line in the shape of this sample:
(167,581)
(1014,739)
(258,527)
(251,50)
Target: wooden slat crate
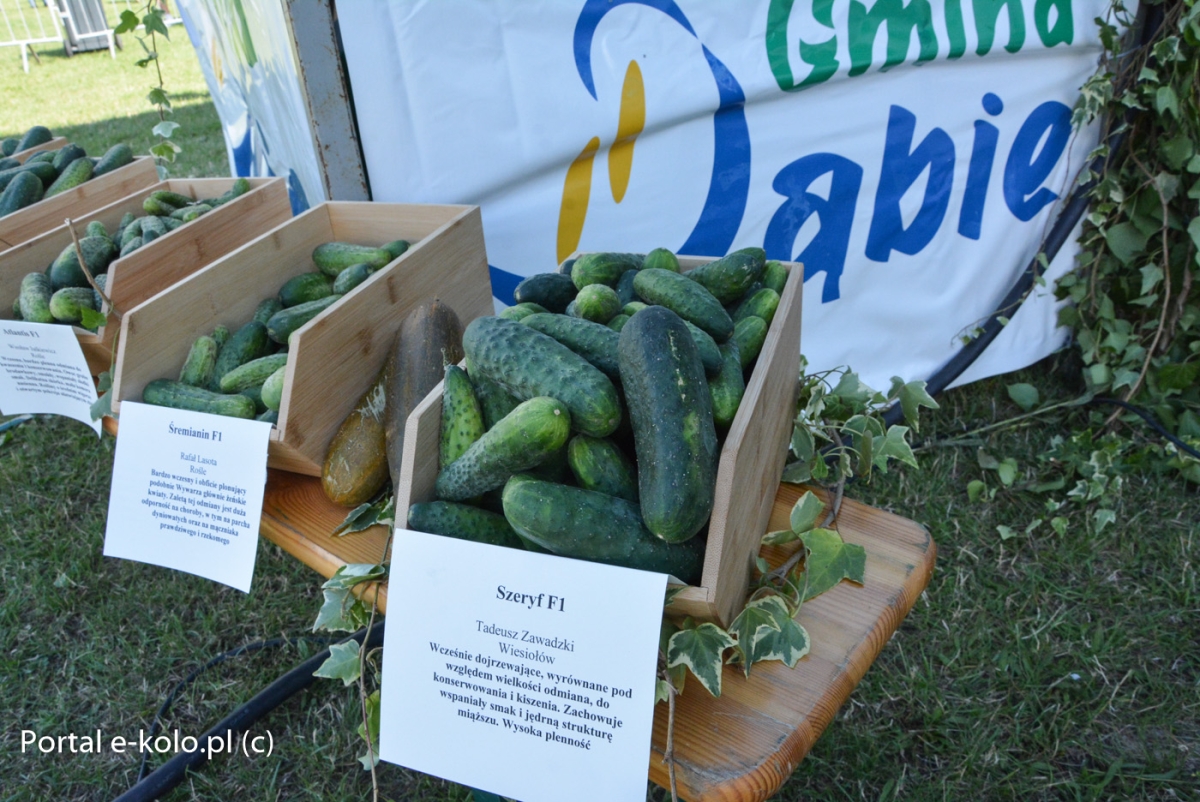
(335,356)
(53,144)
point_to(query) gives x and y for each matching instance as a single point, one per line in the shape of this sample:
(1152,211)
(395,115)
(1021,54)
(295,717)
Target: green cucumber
(351,277)
(625,289)
(522,311)
(9,145)
(98,252)
(34,298)
(494,401)
(8,164)
(176,199)
(463,522)
(750,334)
(155,207)
(265,309)
(72,176)
(552,291)
(618,322)
(43,171)
(598,464)
(528,363)
(189,213)
(131,230)
(240,187)
(285,321)
(566,267)
(304,288)
(332,258)
(220,336)
(632,308)
(153,227)
(270,416)
(602,268)
(252,373)
(201,360)
(686,298)
(167,393)
(44,157)
(592,341)
(396,248)
(114,158)
(246,344)
(661,259)
(775,276)
(68,154)
(96,229)
(710,354)
(24,190)
(272,389)
(462,419)
(254,393)
(573,522)
(729,277)
(37,135)
(16,309)
(727,387)
(571,311)
(170,223)
(671,411)
(131,245)
(598,303)
(761,304)
(527,436)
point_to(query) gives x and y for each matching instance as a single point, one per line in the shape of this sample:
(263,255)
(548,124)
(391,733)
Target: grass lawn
(1046,666)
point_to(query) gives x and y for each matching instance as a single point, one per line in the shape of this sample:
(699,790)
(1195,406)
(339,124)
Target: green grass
(975,698)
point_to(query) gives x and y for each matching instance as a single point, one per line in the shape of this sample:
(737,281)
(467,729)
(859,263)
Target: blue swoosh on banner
(503,284)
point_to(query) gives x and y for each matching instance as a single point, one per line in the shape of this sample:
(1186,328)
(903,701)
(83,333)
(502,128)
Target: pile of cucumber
(49,172)
(240,374)
(587,421)
(62,292)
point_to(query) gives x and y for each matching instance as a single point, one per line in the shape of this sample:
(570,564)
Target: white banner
(911,155)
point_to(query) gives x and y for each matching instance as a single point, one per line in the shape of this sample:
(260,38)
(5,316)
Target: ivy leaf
(102,407)
(166,129)
(91,318)
(893,446)
(158,97)
(1103,518)
(1126,241)
(165,150)
(788,642)
(1024,395)
(341,612)
(364,516)
(1059,524)
(154,23)
(805,513)
(145,62)
(830,560)
(1151,276)
(1166,100)
(104,381)
(802,443)
(912,397)
(672,592)
(129,22)
(975,489)
(343,663)
(351,574)
(662,691)
(372,727)
(851,390)
(700,649)
(1007,471)
(780,537)
(1006,532)
(752,626)
(797,472)
(1194,230)
(1176,376)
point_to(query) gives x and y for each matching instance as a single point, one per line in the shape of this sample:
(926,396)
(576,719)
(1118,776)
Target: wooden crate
(53,144)
(750,466)
(159,264)
(336,355)
(93,194)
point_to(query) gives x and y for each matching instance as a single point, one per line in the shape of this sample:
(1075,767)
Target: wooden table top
(744,745)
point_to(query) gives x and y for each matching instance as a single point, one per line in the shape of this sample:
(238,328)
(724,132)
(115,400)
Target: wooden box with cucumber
(135,264)
(335,356)
(704,357)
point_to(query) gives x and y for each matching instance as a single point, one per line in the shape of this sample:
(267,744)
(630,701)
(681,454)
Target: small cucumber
(761,304)
(285,321)
(114,158)
(351,277)
(67,304)
(686,298)
(522,311)
(463,522)
(598,303)
(72,176)
(167,393)
(96,229)
(775,276)
(130,230)
(625,289)
(750,334)
(246,344)
(23,190)
(252,373)
(727,387)
(266,308)
(155,207)
(175,199)
(34,298)
(201,359)
(661,259)
(272,389)
(603,268)
(131,245)
(632,308)
(566,267)
(396,248)
(190,213)
(68,154)
(98,252)
(462,418)
(494,401)
(618,322)
(9,145)
(304,288)
(553,291)
(595,343)
(710,354)
(220,336)
(729,277)
(153,227)
(332,258)
(598,464)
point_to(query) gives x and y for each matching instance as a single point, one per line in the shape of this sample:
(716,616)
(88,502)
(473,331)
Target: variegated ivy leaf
(788,642)
(371,756)
(852,390)
(102,407)
(806,512)
(364,516)
(803,445)
(893,446)
(662,691)
(751,628)
(829,561)
(341,611)
(343,663)
(701,649)
(352,574)
(912,396)
(672,592)
(798,472)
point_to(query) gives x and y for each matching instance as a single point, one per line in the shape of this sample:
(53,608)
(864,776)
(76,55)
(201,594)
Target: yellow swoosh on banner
(630,123)
(577,188)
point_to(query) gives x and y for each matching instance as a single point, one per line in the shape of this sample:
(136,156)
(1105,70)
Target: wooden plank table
(744,745)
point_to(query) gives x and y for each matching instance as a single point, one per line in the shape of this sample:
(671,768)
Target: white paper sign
(519,673)
(42,369)
(187,492)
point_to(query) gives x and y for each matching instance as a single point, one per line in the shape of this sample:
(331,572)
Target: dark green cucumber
(710,354)
(220,336)
(34,298)
(189,213)
(114,158)
(598,464)
(686,298)
(617,323)
(9,145)
(632,308)
(494,400)
(729,277)
(462,418)
(153,227)
(246,344)
(37,135)
(130,231)
(270,416)
(598,303)
(522,311)
(24,190)
(96,229)
(661,259)
(553,291)
(396,247)
(775,276)
(68,154)
(566,267)
(252,373)
(527,436)
(602,268)
(528,363)
(463,522)
(671,411)
(285,321)
(750,334)
(351,277)
(43,156)
(131,245)
(727,387)
(761,304)
(98,252)
(72,176)
(332,258)
(167,393)
(240,187)
(304,288)
(592,341)
(625,289)
(8,164)
(266,309)
(255,394)
(176,199)
(573,522)
(272,389)
(43,171)
(201,360)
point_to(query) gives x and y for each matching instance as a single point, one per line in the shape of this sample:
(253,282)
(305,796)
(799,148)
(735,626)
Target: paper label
(42,369)
(187,492)
(518,673)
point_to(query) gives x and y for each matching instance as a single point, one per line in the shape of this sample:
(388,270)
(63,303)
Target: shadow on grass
(199,136)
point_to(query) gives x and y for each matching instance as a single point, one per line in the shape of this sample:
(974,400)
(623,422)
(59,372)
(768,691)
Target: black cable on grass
(171,773)
(1151,421)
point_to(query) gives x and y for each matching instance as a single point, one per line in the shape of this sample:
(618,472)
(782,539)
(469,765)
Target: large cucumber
(729,277)
(671,411)
(67,304)
(710,354)
(246,344)
(68,154)
(528,363)
(34,298)
(98,252)
(37,135)
(201,359)
(728,386)
(462,419)
(72,176)
(494,401)
(775,276)
(526,437)
(272,389)
(334,257)
(356,465)
(573,522)
(285,321)
(686,298)
(351,277)
(252,374)
(167,393)
(304,288)
(23,190)
(266,309)
(114,158)
(598,464)
(553,291)
(464,522)
(592,341)
(602,268)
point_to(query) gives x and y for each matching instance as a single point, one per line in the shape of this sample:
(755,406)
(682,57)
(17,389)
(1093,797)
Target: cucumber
(567,267)
(710,354)
(23,190)
(272,389)
(43,157)
(8,164)
(526,437)
(251,374)
(356,465)
(571,310)
(37,135)
(661,259)
(72,176)
(153,227)
(176,199)
(220,336)
(34,298)
(396,247)
(462,419)
(131,230)
(96,229)
(255,394)
(632,308)
(126,220)
(686,298)
(625,289)
(729,277)
(351,277)
(749,336)
(598,464)
(528,363)
(270,416)
(131,246)
(304,288)
(201,359)
(573,522)
(16,308)
(265,309)
(101,282)
(592,341)
(761,304)
(68,154)
(598,303)
(522,311)
(602,268)
(552,291)
(114,158)
(156,207)
(727,387)
(43,171)
(190,213)
(9,145)
(246,344)
(775,276)
(463,522)
(98,252)
(332,258)
(285,321)
(494,401)
(167,393)
(618,322)
(671,411)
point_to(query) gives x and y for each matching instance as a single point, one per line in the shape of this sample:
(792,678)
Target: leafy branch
(152,24)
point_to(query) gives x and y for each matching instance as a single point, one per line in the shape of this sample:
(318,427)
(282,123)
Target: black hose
(1145,415)
(171,773)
